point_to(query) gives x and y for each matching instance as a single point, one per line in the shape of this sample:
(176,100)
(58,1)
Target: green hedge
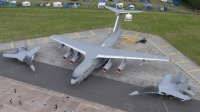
(195,4)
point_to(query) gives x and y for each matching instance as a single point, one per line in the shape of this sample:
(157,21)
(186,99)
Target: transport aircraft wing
(105,52)
(76,45)
(122,54)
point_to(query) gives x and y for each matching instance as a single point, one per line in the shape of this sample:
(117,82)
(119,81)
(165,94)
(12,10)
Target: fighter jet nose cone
(134,93)
(73,81)
(33,68)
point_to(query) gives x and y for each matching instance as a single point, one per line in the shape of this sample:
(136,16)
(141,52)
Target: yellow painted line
(109,30)
(29,42)
(164,45)
(124,32)
(77,35)
(92,32)
(196,70)
(45,39)
(152,37)
(164,103)
(136,35)
(184,61)
(173,53)
(12,44)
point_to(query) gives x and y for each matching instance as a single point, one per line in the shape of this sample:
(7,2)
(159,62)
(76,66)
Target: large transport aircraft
(99,55)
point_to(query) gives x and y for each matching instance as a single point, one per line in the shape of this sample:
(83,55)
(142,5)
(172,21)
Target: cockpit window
(76,75)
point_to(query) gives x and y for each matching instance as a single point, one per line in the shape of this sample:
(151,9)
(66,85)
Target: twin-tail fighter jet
(23,54)
(175,87)
(99,55)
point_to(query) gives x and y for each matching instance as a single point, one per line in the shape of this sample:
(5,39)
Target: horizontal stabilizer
(121,10)
(189,92)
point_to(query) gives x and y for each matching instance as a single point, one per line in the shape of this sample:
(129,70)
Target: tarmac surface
(96,89)
(110,88)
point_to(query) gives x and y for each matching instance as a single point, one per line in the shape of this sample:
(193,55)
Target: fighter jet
(23,54)
(99,55)
(175,87)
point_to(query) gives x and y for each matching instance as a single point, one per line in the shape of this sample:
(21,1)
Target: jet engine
(107,66)
(61,46)
(68,54)
(141,63)
(75,58)
(121,66)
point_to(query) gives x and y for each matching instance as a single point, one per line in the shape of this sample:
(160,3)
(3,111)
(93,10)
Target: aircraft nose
(134,93)
(33,68)
(73,81)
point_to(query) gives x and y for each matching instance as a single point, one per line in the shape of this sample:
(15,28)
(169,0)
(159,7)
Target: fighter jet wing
(33,51)
(13,56)
(122,54)
(10,55)
(76,45)
(173,92)
(166,80)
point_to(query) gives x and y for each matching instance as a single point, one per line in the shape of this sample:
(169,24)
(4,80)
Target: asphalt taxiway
(96,89)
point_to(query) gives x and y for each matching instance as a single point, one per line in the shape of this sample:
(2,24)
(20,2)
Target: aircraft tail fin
(177,78)
(26,45)
(14,45)
(119,13)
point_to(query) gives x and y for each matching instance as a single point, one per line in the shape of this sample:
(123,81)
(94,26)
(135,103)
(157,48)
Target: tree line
(194,4)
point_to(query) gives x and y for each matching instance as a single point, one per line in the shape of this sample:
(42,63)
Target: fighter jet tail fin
(177,78)
(26,47)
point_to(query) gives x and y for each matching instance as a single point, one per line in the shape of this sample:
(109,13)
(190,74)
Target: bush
(195,4)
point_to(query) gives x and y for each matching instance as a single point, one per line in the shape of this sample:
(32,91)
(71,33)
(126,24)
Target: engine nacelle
(107,66)
(121,66)
(68,54)
(141,63)
(61,46)
(75,58)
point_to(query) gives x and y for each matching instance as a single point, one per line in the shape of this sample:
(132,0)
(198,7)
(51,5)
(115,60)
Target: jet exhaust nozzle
(68,54)
(107,66)
(75,58)
(121,66)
